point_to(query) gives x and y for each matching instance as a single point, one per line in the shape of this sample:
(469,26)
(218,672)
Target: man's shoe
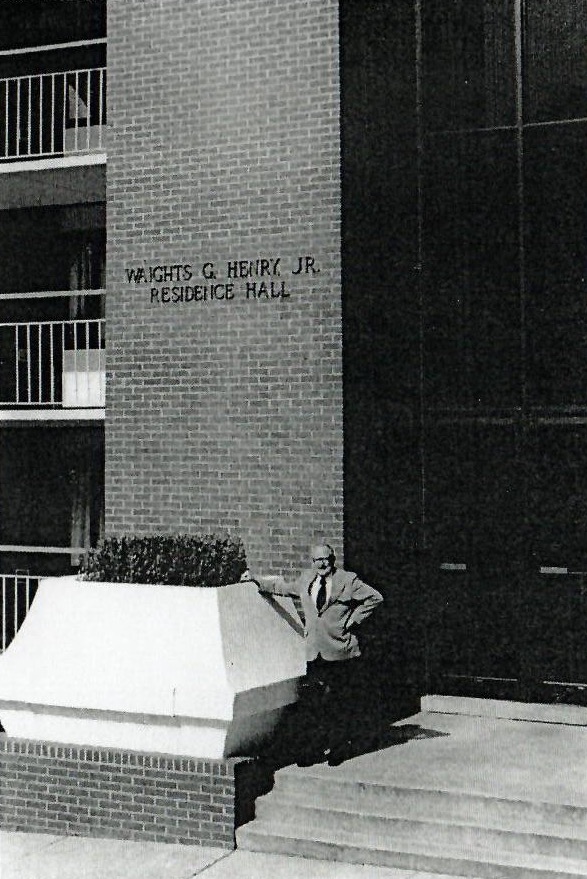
(339,754)
(311,758)
(305,761)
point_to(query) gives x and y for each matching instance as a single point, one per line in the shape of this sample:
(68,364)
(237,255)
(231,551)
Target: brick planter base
(83,791)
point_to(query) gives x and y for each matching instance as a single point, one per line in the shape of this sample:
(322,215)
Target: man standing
(334,602)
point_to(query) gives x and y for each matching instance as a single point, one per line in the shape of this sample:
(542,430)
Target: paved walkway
(43,856)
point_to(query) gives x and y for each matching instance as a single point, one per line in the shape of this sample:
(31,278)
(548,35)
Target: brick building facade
(224,405)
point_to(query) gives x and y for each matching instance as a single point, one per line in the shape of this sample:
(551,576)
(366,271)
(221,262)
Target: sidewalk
(43,856)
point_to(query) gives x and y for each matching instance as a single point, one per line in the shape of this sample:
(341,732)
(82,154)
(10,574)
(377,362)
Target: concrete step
(454,860)
(538,712)
(345,822)
(525,816)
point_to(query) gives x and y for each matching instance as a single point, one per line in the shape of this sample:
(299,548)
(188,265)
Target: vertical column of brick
(224,404)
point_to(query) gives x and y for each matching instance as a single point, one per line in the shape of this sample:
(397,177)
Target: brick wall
(83,791)
(224,147)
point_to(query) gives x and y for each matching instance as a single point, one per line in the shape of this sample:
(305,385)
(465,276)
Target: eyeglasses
(324,558)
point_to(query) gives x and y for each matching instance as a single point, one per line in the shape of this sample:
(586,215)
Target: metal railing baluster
(102,372)
(62,346)
(29,116)
(40,364)
(101,74)
(52,363)
(4,613)
(18,117)
(16,363)
(28,363)
(64,109)
(87,340)
(40,150)
(6,121)
(88,127)
(19,589)
(76,111)
(75,371)
(15,605)
(52,112)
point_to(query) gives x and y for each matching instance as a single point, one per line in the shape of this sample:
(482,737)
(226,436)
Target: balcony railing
(52,114)
(52,364)
(16,596)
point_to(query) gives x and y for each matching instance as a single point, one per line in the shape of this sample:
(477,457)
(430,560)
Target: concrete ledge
(574,715)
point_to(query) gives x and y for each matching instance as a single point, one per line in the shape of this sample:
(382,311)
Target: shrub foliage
(174,560)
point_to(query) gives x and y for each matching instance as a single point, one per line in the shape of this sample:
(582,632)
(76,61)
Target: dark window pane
(556,261)
(468,63)
(42,470)
(65,248)
(471,261)
(555,59)
(43,22)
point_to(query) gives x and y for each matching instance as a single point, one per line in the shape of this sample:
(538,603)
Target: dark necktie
(321,594)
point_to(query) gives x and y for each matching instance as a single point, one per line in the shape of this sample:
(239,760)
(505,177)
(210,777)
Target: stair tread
(573,866)
(329,776)
(534,825)
(369,835)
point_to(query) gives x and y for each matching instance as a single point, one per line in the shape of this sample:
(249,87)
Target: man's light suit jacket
(330,632)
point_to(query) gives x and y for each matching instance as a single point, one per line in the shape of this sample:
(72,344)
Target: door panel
(474,492)
(556,633)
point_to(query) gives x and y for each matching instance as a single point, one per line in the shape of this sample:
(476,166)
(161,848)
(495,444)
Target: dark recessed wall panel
(557,495)
(461,464)
(556,263)
(381,321)
(471,270)
(474,492)
(468,63)
(384,494)
(379,198)
(555,60)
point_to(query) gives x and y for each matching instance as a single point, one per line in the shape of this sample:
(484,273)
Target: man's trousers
(330,704)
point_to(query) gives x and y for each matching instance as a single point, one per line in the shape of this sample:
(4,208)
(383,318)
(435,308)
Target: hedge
(170,559)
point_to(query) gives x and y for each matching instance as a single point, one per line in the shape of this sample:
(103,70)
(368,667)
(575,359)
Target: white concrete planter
(171,669)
